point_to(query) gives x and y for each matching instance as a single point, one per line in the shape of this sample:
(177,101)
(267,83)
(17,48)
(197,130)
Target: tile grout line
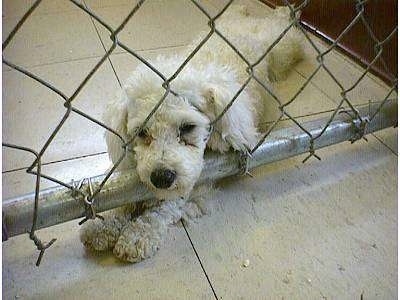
(57,62)
(316,86)
(109,59)
(371,76)
(199,260)
(356,66)
(70,10)
(382,142)
(94,56)
(40,14)
(326,94)
(8,69)
(101,41)
(57,161)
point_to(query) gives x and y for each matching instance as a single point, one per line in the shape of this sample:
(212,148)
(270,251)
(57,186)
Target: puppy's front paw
(139,240)
(100,235)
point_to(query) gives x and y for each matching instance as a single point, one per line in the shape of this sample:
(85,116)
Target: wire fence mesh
(89,196)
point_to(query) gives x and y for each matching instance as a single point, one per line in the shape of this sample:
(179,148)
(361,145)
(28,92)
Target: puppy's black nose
(162,178)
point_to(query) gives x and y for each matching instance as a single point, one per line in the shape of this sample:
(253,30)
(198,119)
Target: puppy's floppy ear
(115,117)
(237,127)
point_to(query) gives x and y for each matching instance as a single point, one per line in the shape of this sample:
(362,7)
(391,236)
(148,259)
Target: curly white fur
(177,135)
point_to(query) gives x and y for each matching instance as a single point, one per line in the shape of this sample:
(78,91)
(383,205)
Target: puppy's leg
(101,235)
(142,237)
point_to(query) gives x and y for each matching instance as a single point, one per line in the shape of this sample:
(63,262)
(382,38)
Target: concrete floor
(320,230)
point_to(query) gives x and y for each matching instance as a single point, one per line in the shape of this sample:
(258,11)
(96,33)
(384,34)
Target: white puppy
(168,152)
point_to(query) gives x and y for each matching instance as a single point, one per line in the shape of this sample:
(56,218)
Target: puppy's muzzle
(162,178)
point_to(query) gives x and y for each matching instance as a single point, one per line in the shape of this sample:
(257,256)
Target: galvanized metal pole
(57,205)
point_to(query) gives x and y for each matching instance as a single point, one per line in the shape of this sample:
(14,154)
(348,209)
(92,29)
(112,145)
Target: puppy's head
(169,149)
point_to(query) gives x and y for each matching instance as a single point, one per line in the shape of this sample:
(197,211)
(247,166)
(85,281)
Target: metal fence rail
(61,204)
(58,204)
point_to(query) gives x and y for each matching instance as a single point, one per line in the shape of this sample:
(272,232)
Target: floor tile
(31,112)
(310,100)
(16,8)
(49,38)
(368,89)
(209,5)
(106,3)
(17,183)
(166,24)
(389,137)
(68,271)
(321,229)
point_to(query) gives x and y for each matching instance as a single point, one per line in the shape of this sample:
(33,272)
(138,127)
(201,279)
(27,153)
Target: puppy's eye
(143,133)
(186,128)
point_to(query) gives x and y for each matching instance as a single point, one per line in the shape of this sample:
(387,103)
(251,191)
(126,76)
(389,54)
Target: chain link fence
(89,196)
